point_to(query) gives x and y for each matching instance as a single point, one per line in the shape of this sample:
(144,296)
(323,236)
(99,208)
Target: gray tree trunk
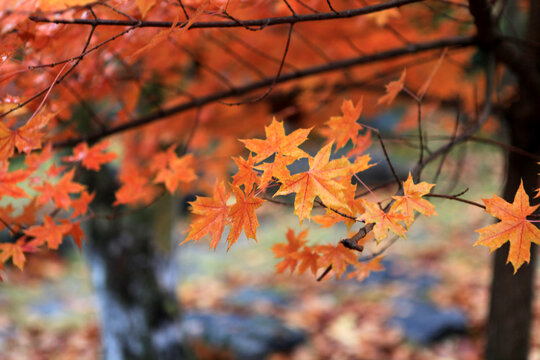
(139,312)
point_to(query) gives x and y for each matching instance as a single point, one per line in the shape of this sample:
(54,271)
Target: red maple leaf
(50,233)
(9,181)
(60,191)
(91,157)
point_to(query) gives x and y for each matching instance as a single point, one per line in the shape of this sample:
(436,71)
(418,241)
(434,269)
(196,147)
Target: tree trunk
(509,322)
(139,313)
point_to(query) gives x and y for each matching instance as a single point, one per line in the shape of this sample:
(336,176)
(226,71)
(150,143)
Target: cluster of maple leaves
(57,203)
(330,182)
(327,182)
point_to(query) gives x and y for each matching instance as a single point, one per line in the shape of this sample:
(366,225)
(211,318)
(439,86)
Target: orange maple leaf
(277,142)
(342,128)
(29,213)
(354,207)
(273,169)
(363,269)
(242,216)
(246,175)
(412,200)
(75,231)
(135,188)
(308,258)
(392,89)
(383,221)
(13,251)
(60,191)
(26,138)
(319,180)
(35,159)
(213,215)
(144,6)
(80,205)
(337,256)
(9,181)
(362,142)
(91,157)
(49,232)
(513,227)
(286,251)
(179,169)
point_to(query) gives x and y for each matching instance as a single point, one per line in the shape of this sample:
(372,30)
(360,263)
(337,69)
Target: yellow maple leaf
(383,221)
(513,227)
(319,180)
(392,89)
(412,200)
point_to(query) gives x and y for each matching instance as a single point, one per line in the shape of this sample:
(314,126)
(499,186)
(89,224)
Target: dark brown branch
(315,70)
(234,23)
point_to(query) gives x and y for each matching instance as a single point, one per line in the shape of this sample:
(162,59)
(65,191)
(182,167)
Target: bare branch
(310,71)
(234,23)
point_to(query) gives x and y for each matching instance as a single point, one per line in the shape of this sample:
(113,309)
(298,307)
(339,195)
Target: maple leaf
(513,227)
(342,128)
(277,142)
(179,169)
(60,191)
(392,89)
(242,216)
(286,251)
(362,142)
(6,217)
(363,270)
(26,138)
(28,215)
(319,181)
(35,159)
(381,18)
(164,34)
(354,207)
(274,169)
(144,6)
(91,157)
(135,188)
(54,171)
(337,256)
(360,164)
(80,205)
(49,232)
(246,175)
(308,259)
(13,251)
(9,181)
(383,221)
(213,215)
(75,231)
(412,200)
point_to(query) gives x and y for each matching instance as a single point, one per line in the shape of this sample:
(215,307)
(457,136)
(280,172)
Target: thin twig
(274,82)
